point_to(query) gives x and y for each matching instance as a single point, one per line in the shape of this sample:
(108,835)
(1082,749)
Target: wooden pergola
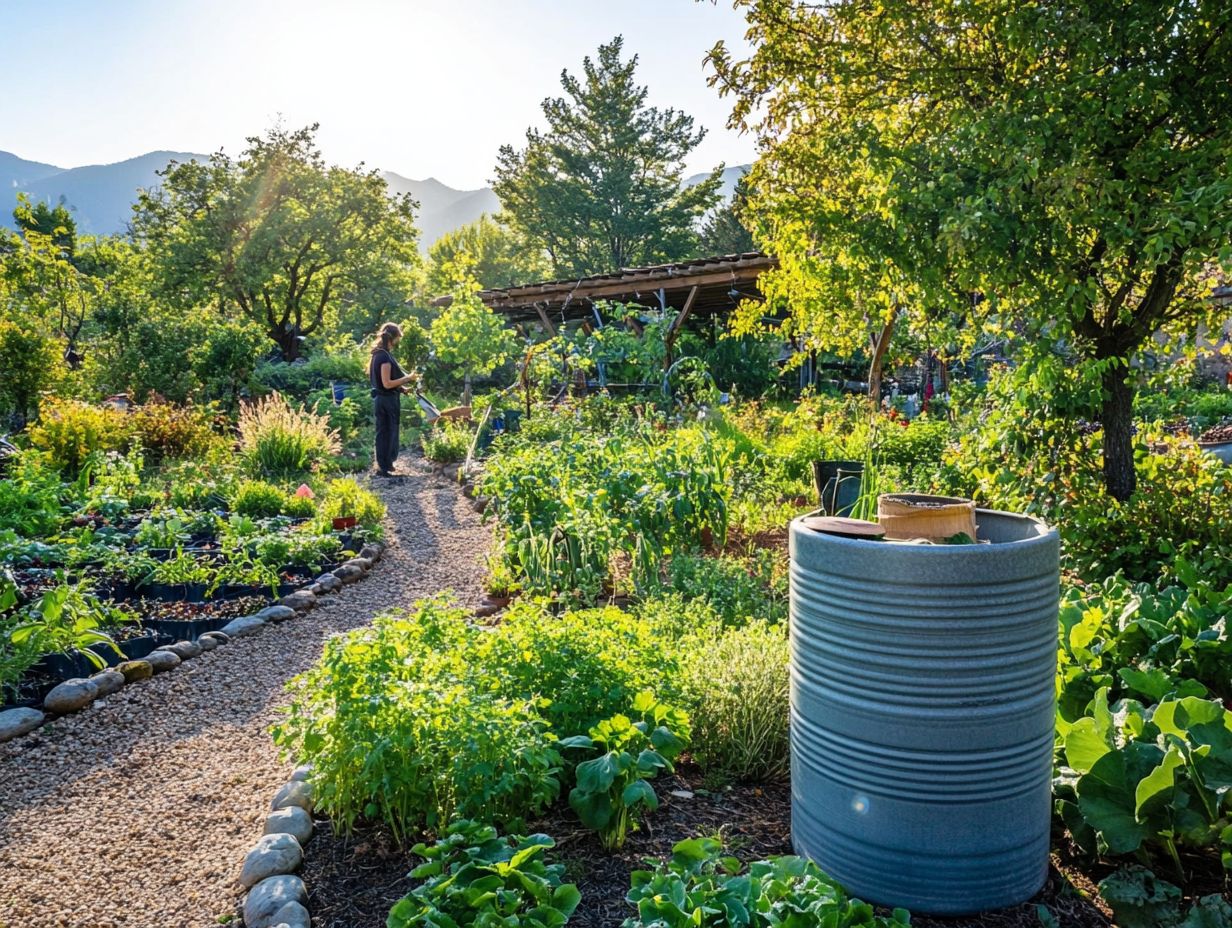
(703,287)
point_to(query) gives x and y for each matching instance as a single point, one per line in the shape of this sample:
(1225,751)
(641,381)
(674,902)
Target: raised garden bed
(354,881)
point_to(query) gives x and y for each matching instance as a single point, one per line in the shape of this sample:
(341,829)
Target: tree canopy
(600,188)
(498,254)
(1064,167)
(279,235)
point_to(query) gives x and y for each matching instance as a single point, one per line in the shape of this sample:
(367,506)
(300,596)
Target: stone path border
(79,692)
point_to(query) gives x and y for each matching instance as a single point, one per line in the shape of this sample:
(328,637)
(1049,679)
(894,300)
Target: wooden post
(677,323)
(547,323)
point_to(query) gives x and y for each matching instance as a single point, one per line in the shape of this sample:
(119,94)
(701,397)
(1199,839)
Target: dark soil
(352,883)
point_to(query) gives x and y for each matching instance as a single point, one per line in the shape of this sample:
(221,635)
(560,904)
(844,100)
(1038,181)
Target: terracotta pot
(342,523)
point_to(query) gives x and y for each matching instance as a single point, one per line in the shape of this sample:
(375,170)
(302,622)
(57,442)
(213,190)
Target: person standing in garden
(387,379)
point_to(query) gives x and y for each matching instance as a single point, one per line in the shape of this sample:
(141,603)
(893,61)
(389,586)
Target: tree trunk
(287,343)
(466,389)
(879,347)
(1117,416)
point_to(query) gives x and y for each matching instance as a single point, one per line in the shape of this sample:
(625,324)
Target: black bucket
(838,485)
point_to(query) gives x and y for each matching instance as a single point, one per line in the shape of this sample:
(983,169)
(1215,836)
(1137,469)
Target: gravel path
(138,811)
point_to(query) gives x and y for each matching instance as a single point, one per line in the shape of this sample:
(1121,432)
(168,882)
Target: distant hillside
(730,176)
(101,195)
(441,208)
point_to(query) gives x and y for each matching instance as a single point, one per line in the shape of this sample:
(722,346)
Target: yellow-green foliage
(345,497)
(277,438)
(70,431)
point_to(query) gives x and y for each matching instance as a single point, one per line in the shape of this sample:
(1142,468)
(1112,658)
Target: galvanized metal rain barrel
(922,713)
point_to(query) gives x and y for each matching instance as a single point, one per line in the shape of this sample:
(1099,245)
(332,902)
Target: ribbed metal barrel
(922,713)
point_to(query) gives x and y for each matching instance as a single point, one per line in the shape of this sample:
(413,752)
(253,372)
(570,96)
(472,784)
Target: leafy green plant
(279,439)
(700,887)
(586,664)
(30,500)
(474,876)
(613,789)
(66,619)
(399,723)
(162,530)
(345,497)
(1149,781)
(735,685)
(298,507)
(68,432)
(258,499)
(166,431)
(447,442)
(1139,899)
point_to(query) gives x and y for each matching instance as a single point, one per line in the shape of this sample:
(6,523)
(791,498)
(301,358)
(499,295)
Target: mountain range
(101,195)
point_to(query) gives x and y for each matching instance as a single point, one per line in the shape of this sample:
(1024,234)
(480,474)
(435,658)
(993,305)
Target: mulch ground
(354,881)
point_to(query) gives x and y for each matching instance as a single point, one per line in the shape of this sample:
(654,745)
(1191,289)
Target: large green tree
(498,256)
(600,188)
(1067,162)
(725,231)
(290,242)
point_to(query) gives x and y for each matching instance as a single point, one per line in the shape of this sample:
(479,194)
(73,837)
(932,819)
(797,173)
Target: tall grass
(281,440)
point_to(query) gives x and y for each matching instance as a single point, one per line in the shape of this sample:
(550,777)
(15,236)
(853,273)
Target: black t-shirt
(379,357)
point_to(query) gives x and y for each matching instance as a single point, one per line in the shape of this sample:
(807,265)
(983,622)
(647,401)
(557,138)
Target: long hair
(385,337)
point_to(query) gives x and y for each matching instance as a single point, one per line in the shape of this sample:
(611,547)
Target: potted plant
(1218,441)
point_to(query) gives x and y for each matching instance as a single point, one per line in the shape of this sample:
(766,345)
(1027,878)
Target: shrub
(447,442)
(588,664)
(30,500)
(69,431)
(30,362)
(281,440)
(298,507)
(395,728)
(345,497)
(735,685)
(258,499)
(167,431)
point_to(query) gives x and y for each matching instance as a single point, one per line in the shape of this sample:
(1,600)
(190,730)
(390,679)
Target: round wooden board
(848,528)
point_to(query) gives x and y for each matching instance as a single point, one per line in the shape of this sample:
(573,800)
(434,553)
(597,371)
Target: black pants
(388,410)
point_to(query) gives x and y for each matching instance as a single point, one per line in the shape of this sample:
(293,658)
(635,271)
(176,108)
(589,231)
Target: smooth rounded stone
(207,644)
(349,573)
(315,588)
(292,821)
(469,491)
(296,793)
(163,659)
(300,601)
(486,610)
(71,695)
(292,915)
(135,670)
(269,897)
(371,553)
(16,722)
(274,854)
(302,772)
(108,681)
(244,625)
(328,582)
(479,504)
(220,638)
(278,613)
(361,562)
(184,650)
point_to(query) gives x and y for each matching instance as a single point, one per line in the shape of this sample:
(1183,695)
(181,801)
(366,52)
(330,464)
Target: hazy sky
(420,87)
